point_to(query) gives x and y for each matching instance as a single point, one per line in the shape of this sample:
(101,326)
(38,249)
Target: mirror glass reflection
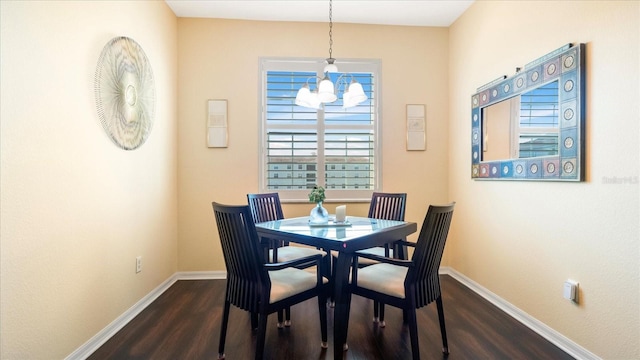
(523,126)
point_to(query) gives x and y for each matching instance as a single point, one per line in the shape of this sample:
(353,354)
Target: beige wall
(522,240)
(75,209)
(218,59)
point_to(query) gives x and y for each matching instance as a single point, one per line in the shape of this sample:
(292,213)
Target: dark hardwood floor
(184,323)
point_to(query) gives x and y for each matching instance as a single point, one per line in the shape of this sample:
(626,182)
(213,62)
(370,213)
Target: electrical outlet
(138,264)
(570,290)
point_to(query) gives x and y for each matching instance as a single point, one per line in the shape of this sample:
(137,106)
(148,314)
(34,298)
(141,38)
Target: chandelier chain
(330,29)
(326,91)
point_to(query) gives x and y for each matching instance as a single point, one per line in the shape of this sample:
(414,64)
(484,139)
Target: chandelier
(326,91)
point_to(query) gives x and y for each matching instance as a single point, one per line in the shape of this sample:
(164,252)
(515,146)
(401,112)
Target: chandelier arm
(316,78)
(341,81)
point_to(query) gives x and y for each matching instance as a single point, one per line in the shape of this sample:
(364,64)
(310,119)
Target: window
(333,147)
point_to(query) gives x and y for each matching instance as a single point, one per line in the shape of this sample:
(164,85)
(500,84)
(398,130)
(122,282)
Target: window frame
(317,65)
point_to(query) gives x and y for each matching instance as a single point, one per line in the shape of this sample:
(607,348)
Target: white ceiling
(385,12)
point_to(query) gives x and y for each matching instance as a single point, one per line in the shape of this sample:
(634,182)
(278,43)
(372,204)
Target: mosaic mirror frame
(565,65)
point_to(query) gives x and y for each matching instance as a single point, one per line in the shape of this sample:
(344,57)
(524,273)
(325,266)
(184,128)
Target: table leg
(342,296)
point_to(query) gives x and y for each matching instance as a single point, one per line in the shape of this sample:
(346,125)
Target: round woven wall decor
(125,93)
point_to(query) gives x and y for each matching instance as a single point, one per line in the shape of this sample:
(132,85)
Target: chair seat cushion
(383,278)
(364,261)
(288,253)
(376,251)
(290,281)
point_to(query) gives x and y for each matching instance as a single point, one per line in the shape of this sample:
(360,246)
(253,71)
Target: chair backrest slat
(247,279)
(387,206)
(428,254)
(265,207)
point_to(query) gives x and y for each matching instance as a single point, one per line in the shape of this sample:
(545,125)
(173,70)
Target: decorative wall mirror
(530,126)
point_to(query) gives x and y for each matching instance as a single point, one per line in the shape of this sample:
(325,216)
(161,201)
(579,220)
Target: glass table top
(353,227)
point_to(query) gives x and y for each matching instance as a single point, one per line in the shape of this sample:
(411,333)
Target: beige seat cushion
(288,253)
(364,261)
(384,278)
(290,281)
(376,251)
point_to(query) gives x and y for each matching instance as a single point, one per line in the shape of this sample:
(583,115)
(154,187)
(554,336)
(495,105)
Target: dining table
(354,234)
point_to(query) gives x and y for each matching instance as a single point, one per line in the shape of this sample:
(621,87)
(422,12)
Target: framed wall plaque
(217,134)
(416,127)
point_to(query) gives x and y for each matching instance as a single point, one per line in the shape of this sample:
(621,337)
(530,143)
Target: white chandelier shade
(326,92)
(353,94)
(330,67)
(356,94)
(306,99)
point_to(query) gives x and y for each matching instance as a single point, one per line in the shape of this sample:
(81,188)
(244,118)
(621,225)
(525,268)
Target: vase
(319,215)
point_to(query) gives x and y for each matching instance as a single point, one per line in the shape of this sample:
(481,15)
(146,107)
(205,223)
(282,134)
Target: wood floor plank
(184,323)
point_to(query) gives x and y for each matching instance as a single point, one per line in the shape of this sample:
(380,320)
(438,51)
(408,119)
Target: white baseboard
(543,330)
(527,320)
(105,334)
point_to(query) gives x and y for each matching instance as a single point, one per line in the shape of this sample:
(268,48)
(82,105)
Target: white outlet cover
(570,290)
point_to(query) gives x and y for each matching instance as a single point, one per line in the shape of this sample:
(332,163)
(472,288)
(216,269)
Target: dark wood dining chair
(385,206)
(258,287)
(410,284)
(267,207)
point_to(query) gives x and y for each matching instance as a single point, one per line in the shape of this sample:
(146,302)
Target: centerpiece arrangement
(318,215)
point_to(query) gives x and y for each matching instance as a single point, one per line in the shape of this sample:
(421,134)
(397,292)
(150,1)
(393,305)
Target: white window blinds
(538,123)
(333,147)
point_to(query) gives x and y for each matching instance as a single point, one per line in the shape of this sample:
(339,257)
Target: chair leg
(376,314)
(322,309)
(262,333)
(254,321)
(381,311)
(223,329)
(280,323)
(443,331)
(413,333)
(287,317)
(327,271)
(401,251)
(332,278)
